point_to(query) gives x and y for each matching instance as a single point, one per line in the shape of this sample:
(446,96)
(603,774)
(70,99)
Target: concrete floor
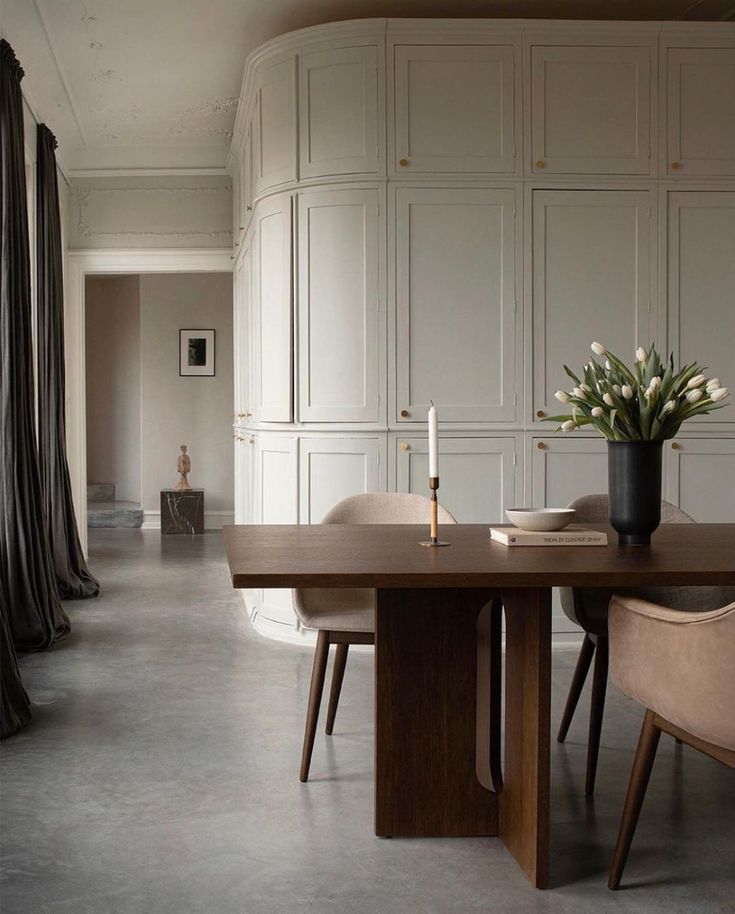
(160,775)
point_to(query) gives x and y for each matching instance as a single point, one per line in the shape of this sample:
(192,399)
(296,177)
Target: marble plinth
(182,512)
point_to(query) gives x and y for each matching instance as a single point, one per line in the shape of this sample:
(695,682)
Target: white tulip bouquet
(646,403)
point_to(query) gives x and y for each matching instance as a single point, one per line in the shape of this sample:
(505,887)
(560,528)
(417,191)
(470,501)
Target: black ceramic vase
(634,489)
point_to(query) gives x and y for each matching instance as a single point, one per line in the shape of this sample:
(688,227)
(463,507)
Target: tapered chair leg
(321,655)
(597,709)
(338,674)
(639,777)
(575,689)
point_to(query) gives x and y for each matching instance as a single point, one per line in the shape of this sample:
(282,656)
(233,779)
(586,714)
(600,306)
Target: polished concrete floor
(160,775)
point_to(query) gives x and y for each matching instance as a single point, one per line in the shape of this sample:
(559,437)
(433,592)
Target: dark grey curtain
(73,577)
(15,705)
(35,615)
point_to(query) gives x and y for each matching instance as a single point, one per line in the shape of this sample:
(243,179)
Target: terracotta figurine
(183,465)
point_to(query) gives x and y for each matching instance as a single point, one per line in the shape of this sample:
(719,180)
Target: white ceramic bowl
(540,520)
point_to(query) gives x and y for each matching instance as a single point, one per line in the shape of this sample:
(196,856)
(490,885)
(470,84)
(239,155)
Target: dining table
(438,661)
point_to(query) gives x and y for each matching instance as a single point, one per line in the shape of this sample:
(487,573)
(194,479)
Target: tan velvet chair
(347,616)
(588,607)
(681,667)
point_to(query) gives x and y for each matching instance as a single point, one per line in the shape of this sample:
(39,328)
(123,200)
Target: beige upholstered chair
(345,617)
(588,608)
(681,667)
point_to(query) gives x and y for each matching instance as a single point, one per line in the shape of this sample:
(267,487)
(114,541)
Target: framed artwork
(196,353)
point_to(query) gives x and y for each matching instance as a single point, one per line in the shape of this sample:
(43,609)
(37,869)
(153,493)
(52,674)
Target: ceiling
(152,85)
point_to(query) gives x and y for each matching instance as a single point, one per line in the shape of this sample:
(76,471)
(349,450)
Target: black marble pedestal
(182,512)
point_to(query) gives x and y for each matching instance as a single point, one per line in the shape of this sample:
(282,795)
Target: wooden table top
(340,555)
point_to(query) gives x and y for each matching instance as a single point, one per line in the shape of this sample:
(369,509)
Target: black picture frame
(196,353)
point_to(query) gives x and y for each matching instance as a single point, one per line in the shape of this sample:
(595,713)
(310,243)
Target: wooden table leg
(524,801)
(426,683)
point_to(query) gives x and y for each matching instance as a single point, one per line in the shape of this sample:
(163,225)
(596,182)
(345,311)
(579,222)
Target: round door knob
(242,228)
(675,166)
(403,162)
(405,446)
(540,445)
(675,446)
(540,414)
(404,414)
(540,163)
(248,208)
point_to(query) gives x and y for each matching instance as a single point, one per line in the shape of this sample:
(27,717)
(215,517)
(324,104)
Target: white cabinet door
(331,469)
(274,126)
(242,335)
(700,478)
(455,303)
(700,126)
(477,475)
(244,487)
(591,280)
(273,309)
(339,297)
(562,469)
(701,283)
(338,112)
(245,180)
(591,110)
(454,109)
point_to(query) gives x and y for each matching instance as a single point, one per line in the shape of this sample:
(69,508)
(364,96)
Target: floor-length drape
(73,577)
(15,705)
(35,615)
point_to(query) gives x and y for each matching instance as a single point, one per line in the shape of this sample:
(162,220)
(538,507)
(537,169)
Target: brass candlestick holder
(434,535)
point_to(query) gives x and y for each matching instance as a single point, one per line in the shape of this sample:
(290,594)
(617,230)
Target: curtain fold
(73,577)
(35,615)
(15,705)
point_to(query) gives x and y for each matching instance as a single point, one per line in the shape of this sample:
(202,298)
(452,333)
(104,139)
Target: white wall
(150,212)
(192,411)
(112,344)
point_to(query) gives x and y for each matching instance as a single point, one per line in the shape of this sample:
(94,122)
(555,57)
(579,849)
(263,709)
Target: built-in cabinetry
(450,210)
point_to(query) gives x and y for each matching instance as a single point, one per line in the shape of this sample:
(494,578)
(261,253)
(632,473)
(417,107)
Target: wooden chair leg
(597,708)
(639,777)
(575,689)
(321,655)
(338,674)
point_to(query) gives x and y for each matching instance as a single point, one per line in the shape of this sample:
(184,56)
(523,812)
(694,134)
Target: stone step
(114,514)
(101,491)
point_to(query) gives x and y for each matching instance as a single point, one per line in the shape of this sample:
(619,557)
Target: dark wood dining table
(438,770)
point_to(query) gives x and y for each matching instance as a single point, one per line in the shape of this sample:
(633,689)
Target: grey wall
(151,212)
(192,411)
(112,319)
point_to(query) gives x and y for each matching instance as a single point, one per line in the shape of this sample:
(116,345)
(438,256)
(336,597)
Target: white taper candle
(433,442)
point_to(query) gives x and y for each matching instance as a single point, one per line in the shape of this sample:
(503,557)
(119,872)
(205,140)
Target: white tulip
(562,396)
(696,381)
(668,407)
(598,349)
(694,396)
(618,389)
(640,354)
(608,399)
(597,411)
(569,425)
(718,394)
(586,388)
(608,366)
(579,393)
(655,382)
(627,391)
(712,385)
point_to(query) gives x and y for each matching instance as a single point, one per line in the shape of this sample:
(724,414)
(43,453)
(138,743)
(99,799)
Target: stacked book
(569,536)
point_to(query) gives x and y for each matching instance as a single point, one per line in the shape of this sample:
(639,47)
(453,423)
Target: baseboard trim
(213,520)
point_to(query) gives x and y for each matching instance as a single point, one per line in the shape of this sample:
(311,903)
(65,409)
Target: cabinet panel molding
(274,118)
(700,478)
(454,109)
(332,468)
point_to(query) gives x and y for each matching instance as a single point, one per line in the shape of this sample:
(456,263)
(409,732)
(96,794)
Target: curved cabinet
(274,126)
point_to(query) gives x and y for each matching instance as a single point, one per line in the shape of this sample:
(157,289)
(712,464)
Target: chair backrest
(587,606)
(384,508)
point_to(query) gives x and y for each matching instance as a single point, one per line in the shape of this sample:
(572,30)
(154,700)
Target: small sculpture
(183,465)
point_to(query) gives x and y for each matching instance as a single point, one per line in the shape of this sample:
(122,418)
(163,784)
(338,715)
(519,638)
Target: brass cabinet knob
(405,446)
(540,445)
(540,163)
(540,414)
(403,162)
(404,414)
(248,208)
(242,228)
(675,446)
(675,166)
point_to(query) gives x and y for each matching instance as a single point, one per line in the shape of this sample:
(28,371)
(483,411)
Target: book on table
(569,536)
